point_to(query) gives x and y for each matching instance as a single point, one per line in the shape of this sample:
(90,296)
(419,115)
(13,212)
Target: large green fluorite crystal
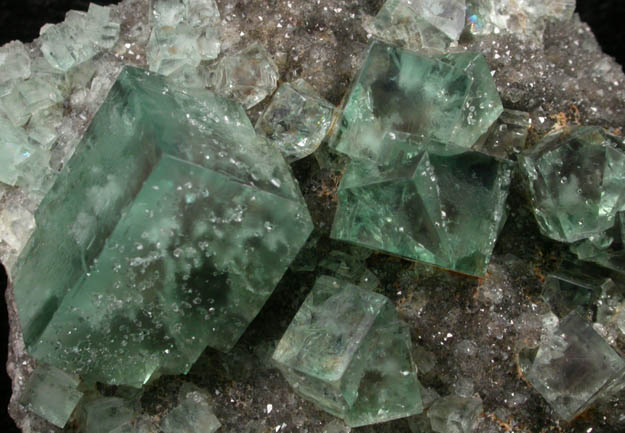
(349,353)
(165,233)
(437,203)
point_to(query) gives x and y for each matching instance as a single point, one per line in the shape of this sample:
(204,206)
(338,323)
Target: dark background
(22,19)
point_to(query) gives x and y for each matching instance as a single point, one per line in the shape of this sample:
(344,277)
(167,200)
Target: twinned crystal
(451,99)
(440,204)
(52,394)
(577,183)
(574,367)
(166,233)
(348,352)
(296,120)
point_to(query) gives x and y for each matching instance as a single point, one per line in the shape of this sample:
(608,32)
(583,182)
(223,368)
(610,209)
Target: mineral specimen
(574,367)
(347,351)
(296,120)
(577,183)
(18,158)
(166,232)
(507,136)
(418,24)
(440,204)
(454,414)
(248,76)
(107,415)
(193,413)
(52,394)
(449,99)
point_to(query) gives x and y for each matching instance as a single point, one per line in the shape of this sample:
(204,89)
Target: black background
(22,19)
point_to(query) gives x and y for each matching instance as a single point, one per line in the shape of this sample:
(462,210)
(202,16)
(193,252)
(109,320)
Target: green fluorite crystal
(52,394)
(166,232)
(19,159)
(440,204)
(347,351)
(107,415)
(296,120)
(453,414)
(577,183)
(574,366)
(193,413)
(448,99)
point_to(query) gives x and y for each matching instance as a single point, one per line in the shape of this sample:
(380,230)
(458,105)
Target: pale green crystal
(453,414)
(577,183)
(28,97)
(247,76)
(348,352)
(166,232)
(575,366)
(193,414)
(52,394)
(14,62)
(507,136)
(296,120)
(107,414)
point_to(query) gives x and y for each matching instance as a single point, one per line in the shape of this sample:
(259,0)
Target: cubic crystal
(418,24)
(348,352)
(574,366)
(193,414)
(440,204)
(453,414)
(449,99)
(577,183)
(16,154)
(296,120)
(248,76)
(166,232)
(52,394)
(507,136)
(107,415)
(14,62)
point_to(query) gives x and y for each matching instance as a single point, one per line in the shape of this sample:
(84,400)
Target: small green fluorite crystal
(167,231)
(453,414)
(577,183)
(348,352)
(575,366)
(107,415)
(449,99)
(437,203)
(52,394)
(193,414)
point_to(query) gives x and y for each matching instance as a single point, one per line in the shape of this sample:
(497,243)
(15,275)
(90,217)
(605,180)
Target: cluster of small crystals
(470,334)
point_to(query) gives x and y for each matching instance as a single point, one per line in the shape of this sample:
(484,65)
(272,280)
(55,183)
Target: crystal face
(52,394)
(248,76)
(418,24)
(574,367)
(193,413)
(447,99)
(107,415)
(440,204)
(164,234)
(348,352)
(454,414)
(296,120)
(577,183)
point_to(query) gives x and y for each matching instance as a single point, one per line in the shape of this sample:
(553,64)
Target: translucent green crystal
(296,120)
(418,24)
(574,367)
(107,414)
(507,136)
(440,204)
(577,183)
(166,232)
(453,414)
(450,99)
(18,157)
(52,394)
(28,97)
(247,76)
(14,62)
(348,352)
(193,413)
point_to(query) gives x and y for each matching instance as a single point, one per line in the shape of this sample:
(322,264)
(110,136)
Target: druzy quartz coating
(166,232)
(348,352)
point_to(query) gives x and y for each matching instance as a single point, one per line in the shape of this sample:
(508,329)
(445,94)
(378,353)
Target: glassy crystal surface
(193,414)
(448,99)
(79,38)
(184,34)
(107,415)
(574,366)
(507,136)
(440,204)
(16,152)
(418,24)
(248,76)
(296,120)
(348,352)
(577,183)
(453,414)
(350,268)
(166,232)
(14,62)
(52,394)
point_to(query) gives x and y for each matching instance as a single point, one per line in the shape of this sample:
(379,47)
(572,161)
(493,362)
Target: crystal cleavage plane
(166,233)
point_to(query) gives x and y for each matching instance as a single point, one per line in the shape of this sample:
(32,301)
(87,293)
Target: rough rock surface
(467,332)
